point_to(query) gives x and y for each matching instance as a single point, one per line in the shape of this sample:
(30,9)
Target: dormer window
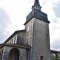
(27,41)
(12,40)
(15,40)
(8,41)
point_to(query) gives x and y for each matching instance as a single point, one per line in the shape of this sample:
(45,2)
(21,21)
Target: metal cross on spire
(36,5)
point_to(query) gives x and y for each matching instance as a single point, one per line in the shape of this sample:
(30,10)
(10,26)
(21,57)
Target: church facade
(32,43)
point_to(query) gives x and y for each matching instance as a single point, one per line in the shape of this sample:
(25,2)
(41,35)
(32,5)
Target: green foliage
(54,57)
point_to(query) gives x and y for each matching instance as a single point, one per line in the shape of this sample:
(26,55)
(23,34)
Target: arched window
(27,41)
(15,40)
(12,41)
(41,57)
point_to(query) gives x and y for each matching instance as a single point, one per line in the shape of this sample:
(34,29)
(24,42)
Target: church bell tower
(37,33)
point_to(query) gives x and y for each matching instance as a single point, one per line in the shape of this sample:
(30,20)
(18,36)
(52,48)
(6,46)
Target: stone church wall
(41,43)
(23,53)
(21,38)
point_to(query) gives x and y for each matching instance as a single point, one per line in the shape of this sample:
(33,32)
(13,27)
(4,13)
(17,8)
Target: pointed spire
(36,5)
(36,2)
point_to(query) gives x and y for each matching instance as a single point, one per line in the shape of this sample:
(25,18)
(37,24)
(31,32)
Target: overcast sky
(13,15)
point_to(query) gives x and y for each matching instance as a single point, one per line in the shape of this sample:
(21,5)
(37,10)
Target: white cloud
(4,24)
(55,23)
(56,1)
(55,35)
(17,11)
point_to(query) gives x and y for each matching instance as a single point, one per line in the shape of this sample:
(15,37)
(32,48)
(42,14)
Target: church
(32,43)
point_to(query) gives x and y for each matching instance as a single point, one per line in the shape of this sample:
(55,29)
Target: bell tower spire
(36,13)
(36,5)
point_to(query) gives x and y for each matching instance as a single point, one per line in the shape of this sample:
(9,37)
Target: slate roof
(16,32)
(38,15)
